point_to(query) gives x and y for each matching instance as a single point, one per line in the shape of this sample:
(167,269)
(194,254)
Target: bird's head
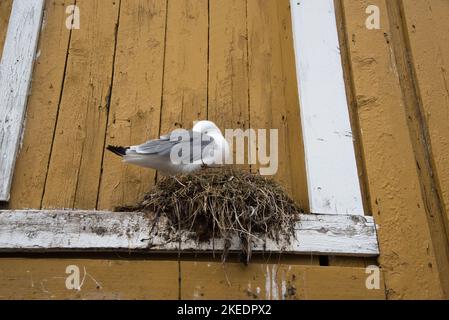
(210,129)
(207,127)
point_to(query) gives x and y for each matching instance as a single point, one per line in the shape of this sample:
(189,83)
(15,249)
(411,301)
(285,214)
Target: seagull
(181,151)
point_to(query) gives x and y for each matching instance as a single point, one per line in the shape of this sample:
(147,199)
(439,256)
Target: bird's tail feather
(120,151)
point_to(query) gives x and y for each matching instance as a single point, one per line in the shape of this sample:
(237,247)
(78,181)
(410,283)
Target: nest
(223,203)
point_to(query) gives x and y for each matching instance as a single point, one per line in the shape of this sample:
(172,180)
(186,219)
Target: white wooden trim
(330,159)
(16,69)
(61,231)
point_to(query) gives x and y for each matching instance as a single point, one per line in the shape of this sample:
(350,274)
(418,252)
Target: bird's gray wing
(192,141)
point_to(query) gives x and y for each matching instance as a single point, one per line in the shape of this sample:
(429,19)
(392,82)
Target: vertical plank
(75,164)
(186,64)
(329,149)
(5,12)
(343,40)
(294,137)
(430,58)
(273,89)
(32,162)
(228,66)
(100,279)
(352,103)
(16,69)
(136,99)
(420,138)
(411,268)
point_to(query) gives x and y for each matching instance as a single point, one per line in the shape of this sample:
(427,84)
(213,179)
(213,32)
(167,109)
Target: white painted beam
(330,159)
(16,68)
(67,231)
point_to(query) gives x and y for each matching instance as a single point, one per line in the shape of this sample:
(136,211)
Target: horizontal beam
(68,231)
(143,279)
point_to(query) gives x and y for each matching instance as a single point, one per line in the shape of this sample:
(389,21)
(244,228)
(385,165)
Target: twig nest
(224,203)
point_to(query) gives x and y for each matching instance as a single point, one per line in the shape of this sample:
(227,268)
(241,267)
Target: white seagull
(180,151)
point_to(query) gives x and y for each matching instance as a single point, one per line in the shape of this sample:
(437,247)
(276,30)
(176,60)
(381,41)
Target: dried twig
(223,203)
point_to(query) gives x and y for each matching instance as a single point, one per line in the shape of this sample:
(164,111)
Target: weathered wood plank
(273,93)
(185,73)
(399,207)
(110,279)
(42,109)
(75,165)
(352,105)
(228,66)
(329,148)
(135,109)
(431,72)
(104,231)
(16,69)
(205,280)
(343,40)
(123,278)
(417,112)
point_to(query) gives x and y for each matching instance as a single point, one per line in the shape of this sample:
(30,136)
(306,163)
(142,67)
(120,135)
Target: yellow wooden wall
(138,68)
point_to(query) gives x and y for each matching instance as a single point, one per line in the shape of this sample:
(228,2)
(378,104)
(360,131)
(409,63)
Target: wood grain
(121,278)
(16,70)
(228,67)
(137,92)
(431,72)
(273,93)
(186,64)
(421,139)
(106,231)
(203,280)
(134,113)
(42,110)
(104,279)
(394,185)
(75,164)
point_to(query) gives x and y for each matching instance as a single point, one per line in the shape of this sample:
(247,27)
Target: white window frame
(337,225)
(333,181)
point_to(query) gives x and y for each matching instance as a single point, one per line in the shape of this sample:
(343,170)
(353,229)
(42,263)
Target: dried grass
(223,203)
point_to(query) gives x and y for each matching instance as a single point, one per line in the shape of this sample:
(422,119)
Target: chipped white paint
(283,286)
(16,69)
(274,283)
(271,283)
(320,234)
(329,149)
(44,231)
(267,284)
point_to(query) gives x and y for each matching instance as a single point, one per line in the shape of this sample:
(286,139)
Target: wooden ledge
(98,231)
